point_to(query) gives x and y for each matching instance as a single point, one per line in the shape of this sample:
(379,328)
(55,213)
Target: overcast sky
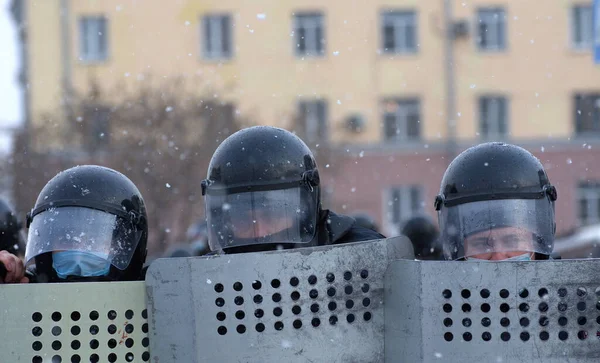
(10,100)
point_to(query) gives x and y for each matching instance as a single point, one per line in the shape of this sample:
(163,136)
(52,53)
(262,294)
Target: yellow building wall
(539,72)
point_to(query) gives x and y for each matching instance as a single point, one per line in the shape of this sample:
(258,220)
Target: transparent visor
(273,216)
(84,230)
(492,228)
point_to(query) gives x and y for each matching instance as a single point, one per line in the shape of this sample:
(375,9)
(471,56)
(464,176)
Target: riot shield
(74,322)
(322,304)
(540,311)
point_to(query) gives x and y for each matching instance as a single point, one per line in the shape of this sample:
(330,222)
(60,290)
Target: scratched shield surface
(322,304)
(539,311)
(74,322)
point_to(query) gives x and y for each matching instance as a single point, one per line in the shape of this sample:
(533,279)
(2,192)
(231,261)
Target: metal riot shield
(540,311)
(74,322)
(322,304)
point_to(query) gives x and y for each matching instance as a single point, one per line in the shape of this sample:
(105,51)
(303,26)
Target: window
(93,39)
(582,26)
(401,120)
(493,115)
(587,113)
(399,32)
(98,121)
(313,115)
(217,36)
(309,32)
(491,29)
(589,203)
(403,203)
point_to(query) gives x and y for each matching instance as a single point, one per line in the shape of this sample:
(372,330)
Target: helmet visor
(84,230)
(261,217)
(482,229)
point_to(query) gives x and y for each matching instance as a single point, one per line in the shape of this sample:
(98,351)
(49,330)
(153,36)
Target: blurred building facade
(370,78)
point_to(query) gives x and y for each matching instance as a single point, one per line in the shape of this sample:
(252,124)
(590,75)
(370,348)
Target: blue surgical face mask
(523,257)
(77,263)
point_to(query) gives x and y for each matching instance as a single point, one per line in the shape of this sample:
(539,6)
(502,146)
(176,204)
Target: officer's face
(499,244)
(260,224)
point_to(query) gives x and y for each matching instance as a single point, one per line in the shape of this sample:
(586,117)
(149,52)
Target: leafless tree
(161,137)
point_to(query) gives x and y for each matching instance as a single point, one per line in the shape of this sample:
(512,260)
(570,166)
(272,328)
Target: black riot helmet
(88,224)
(496,198)
(423,234)
(11,238)
(262,190)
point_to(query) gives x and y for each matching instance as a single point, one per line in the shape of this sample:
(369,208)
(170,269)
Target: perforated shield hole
(524,322)
(466,322)
(447,294)
(524,336)
(484,293)
(523,293)
(486,336)
(504,293)
(486,322)
(465,294)
(563,335)
(562,321)
(467,337)
(544,321)
(294,281)
(237,286)
(333,320)
(485,307)
(447,322)
(524,307)
(466,308)
(581,291)
(544,335)
(312,279)
(256,285)
(258,299)
(543,307)
(562,292)
(582,335)
(448,336)
(330,277)
(562,307)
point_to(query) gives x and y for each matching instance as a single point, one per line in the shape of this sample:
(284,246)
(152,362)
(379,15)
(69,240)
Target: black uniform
(498,198)
(11,238)
(88,224)
(424,236)
(263,193)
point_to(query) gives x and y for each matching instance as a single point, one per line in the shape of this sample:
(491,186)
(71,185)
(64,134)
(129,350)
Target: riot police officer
(496,203)
(423,235)
(263,193)
(88,224)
